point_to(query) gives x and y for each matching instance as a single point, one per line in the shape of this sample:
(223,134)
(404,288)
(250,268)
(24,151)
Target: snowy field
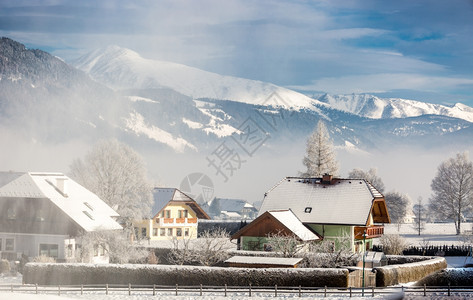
(434,234)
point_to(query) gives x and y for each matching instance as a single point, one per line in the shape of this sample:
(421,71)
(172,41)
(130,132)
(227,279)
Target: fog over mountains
(177,117)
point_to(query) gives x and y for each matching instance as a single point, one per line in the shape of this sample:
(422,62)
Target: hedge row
(409,272)
(74,274)
(453,277)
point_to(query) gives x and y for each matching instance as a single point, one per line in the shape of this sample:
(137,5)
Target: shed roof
(232,205)
(343,201)
(263,260)
(81,205)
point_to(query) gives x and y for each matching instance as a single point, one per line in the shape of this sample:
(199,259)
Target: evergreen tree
(320,155)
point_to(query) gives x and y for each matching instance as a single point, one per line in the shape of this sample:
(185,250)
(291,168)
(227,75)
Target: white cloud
(378,83)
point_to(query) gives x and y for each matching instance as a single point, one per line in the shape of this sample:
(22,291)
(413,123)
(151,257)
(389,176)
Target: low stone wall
(408,272)
(74,274)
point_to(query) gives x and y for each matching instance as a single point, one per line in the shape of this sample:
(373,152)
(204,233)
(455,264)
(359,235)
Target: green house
(328,207)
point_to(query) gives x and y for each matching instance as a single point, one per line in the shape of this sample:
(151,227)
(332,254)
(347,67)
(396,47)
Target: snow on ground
(433,234)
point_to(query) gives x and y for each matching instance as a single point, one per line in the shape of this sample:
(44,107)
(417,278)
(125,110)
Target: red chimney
(327,179)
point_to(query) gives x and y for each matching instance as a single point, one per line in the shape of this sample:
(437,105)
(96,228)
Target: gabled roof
(284,218)
(82,206)
(232,205)
(341,201)
(163,196)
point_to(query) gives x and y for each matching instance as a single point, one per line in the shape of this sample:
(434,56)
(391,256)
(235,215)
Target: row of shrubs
(453,250)
(408,272)
(73,274)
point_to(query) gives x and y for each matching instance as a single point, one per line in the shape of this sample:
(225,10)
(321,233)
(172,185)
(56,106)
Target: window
(11,213)
(0,245)
(99,250)
(168,213)
(155,231)
(50,250)
(186,231)
(70,250)
(169,231)
(9,244)
(179,231)
(88,205)
(162,232)
(40,215)
(143,231)
(183,213)
(307,210)
(88,214)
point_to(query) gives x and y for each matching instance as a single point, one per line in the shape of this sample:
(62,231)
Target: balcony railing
(371,232)
(176,221)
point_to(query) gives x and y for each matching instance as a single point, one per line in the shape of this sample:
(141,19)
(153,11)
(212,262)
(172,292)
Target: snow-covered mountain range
(148,103)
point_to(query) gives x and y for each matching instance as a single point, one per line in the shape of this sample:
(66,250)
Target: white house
(44,213)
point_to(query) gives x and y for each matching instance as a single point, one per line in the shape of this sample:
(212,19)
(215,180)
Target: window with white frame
(51,250)
(9,244)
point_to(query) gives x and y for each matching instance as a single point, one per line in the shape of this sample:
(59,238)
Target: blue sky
(412,49)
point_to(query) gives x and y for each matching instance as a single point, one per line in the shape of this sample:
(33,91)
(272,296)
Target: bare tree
(116,173)
(393,244)
(371,176)
(452,189)
(116,243)
(320,155)
(211,247)
(397,204)
(331,253)
(181,252)
(286,245)
(419,212)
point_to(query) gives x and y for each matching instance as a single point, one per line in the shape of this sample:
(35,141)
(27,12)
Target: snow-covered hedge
(74,274)
(406,259)
(409,272)
(454,277)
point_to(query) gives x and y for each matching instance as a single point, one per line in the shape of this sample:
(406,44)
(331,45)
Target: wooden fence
(229,291)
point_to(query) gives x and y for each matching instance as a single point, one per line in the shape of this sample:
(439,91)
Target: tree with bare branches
(452,189)
(116,173)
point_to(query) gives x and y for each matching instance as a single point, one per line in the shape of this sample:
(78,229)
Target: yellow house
(175,215)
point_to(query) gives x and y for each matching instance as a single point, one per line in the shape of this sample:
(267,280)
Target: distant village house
(174,215)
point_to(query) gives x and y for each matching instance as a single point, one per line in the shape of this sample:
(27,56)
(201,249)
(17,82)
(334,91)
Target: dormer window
(88,215)
(88,206)
(308,210)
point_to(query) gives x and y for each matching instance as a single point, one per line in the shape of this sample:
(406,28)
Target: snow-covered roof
(162,196)
(343,201)
(81,205)
(234,205)
(231,214)
(291,222)
(262,260)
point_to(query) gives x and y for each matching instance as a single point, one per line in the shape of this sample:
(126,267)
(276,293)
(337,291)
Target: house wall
(339,234)
(33,215)
(163,228)
(29,245)
(253,243)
